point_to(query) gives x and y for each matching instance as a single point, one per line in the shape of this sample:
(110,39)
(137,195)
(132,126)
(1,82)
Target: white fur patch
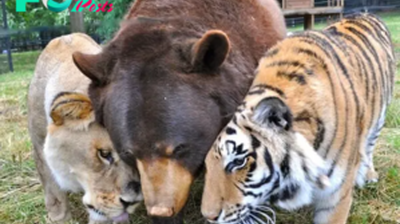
(96,217)
(303,154)
(59,169)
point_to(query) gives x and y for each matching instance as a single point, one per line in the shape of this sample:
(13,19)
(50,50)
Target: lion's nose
(126,204)
(90,206)
(211,215)
(160,211)
(135,186)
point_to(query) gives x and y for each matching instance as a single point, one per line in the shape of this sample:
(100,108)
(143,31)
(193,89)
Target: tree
(111,20)
(36,15)
(101,23)
(76,20)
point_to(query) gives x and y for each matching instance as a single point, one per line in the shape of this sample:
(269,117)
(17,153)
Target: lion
(74,153)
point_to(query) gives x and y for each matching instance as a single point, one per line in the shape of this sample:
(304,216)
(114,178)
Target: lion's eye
(106,155)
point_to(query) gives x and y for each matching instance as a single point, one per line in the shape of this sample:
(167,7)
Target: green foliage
(21,195)
(101,23)
(110,22)
(36,15)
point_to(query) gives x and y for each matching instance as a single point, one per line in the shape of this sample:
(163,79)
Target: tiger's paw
(372,176)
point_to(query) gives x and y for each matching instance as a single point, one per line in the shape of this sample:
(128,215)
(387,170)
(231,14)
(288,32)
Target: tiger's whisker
(250,221)
(265,215)
(253,216)
(265,209)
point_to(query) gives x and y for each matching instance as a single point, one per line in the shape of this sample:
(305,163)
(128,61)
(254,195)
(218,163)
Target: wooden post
(341,2)
(309,22)
(76,19)
(8,42)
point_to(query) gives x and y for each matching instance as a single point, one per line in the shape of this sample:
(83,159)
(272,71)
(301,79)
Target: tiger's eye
(239,162)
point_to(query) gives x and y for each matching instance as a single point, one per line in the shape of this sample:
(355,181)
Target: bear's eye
(180,150)
(106,155)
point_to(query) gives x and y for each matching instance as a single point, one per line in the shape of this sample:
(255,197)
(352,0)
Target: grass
(19,185)
(21,196)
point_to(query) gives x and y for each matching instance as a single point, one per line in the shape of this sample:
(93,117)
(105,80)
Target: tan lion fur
(67,141)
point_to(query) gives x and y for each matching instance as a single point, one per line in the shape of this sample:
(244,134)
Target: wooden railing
(338,3)
(302,4)
(308,9)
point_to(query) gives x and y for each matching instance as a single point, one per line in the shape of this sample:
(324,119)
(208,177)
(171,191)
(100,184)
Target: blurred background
(33,29)
(24,34)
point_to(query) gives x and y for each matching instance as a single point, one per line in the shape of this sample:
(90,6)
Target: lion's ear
(73,110)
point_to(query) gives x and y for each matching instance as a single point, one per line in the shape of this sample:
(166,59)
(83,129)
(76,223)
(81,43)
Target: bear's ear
(73,110)
(210,51)
(94,66)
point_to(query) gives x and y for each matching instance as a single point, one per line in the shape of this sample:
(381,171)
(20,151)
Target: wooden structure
(308,9)
(7,38)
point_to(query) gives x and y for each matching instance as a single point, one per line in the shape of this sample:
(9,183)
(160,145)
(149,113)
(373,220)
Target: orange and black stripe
(70,105)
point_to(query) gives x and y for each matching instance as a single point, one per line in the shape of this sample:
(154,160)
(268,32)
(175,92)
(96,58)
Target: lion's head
(81,157)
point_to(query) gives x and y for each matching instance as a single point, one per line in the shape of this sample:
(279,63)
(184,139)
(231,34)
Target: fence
(29,40)
(5,62)
(350,6)
(34,38)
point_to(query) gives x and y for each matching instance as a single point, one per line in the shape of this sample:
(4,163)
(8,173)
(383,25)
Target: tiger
(305,132)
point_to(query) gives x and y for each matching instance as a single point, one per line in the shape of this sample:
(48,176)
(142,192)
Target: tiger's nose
(211,215)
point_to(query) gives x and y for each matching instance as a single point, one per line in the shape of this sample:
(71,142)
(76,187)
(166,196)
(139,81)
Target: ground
(21,196)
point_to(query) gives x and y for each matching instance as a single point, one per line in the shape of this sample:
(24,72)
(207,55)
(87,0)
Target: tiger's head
(81,157)
(258,158)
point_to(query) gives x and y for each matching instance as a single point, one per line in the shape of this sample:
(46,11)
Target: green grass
(20,191)
(21,196)
(21,61)
(393,114)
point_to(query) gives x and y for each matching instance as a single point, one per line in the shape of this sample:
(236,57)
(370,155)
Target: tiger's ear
(73,110)
(210,51)
(272,112)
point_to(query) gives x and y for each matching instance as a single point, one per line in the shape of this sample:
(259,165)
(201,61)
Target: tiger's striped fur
(306,130)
